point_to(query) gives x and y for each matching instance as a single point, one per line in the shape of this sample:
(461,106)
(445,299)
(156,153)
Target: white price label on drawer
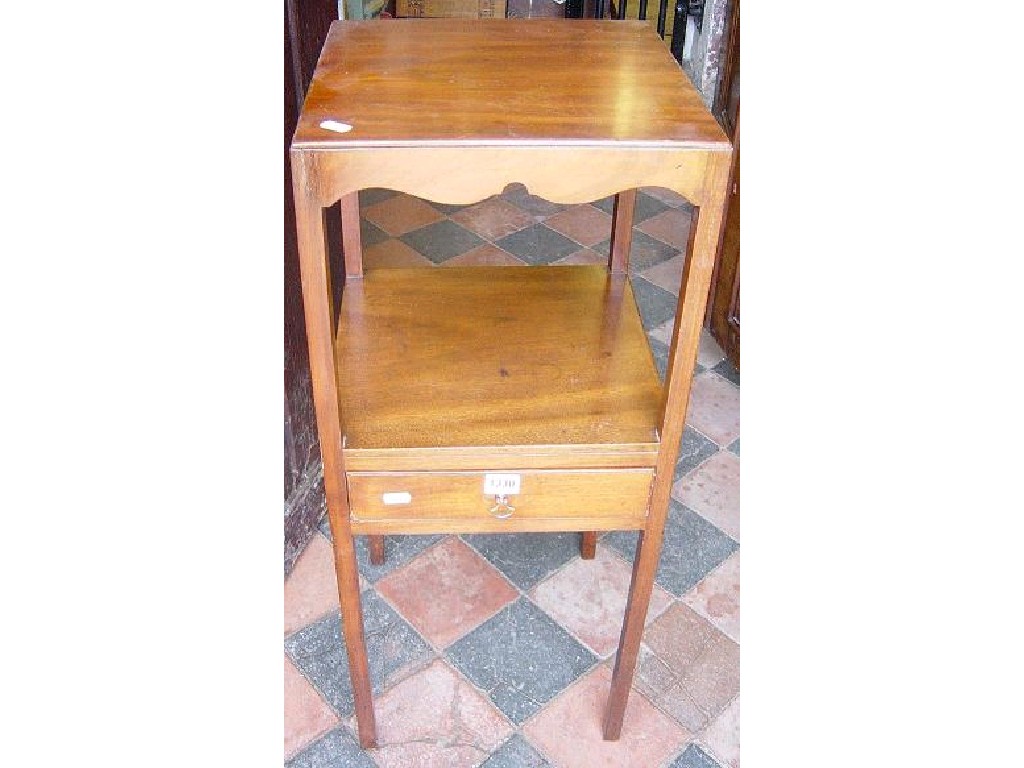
(397,497)
(500,483)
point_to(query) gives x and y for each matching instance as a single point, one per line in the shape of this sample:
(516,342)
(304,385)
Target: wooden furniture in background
(724,306)
(499,399)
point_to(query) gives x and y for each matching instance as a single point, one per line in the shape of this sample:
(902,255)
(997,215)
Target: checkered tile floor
(496,650)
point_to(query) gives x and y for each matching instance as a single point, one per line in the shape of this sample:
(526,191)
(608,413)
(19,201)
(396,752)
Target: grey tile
(656,305)
(691,549)
(646,207)
(335,749)
(694,757)
(370,234)
(391,645)
(525,558)
(374,195)
(441,240)
(644,251)
(538,207)
(538,244)
(516,753)
(521,659)
(445,208)
(734,446)
(398,550)
(659,351)
(726,370)
(694,450)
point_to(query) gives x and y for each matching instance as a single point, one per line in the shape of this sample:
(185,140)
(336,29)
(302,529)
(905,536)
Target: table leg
(351,237)
(316,293)
(376,549)
(705,231)
(588,544)
(622,230)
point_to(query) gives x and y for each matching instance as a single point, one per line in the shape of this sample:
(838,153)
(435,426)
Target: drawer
(533,500)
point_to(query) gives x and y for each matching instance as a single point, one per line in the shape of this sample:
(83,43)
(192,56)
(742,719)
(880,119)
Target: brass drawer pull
(501,509)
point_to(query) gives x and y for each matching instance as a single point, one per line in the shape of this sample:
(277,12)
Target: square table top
(501,82)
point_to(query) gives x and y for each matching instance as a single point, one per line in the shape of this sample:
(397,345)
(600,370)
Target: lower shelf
(495,367)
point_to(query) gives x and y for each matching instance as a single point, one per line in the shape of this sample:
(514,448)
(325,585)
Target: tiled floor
(497,650)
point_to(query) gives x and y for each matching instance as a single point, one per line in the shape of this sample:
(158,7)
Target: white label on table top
(335,125)
(501,483)
(397,497)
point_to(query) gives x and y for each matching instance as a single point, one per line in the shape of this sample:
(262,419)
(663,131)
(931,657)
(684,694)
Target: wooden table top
(501,82)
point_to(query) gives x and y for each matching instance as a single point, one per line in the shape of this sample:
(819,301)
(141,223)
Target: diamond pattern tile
(399,214)
(516,753)
(306,715)
(392,253)
(393,648)
(435,719)
(713,491)
(694,450)
(538,244)
(493,218)
(717,597)
(656,305)
(585,224)
(311,591)
(691,548)
(442,240)
(447,591)
(523,669)
(588,597)
(722,737)
(338,748)
(486,255)
(714,407)
(568,730)
(697,671)
(525,558)
(671,226)
(694,757)
(727,371)
(521,658)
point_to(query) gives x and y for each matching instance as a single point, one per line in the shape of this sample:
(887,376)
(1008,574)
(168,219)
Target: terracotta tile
(493,218)
(671,226)
(709,354)
(588,597)
(585,224)
(393,254)
(312,588)
(722,737)
(447,591)
(717,597)
(715,408)
(400,214)
(713,491)
(306,715)
(703,661)
(582,256)
(667,196)
(667,275)
(436,719)
(486,255)
(568,731)
(679,637)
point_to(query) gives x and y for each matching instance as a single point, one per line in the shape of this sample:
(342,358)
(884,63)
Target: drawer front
(470,497)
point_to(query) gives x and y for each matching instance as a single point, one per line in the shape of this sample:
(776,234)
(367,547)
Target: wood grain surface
(502,360)
(501,82)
